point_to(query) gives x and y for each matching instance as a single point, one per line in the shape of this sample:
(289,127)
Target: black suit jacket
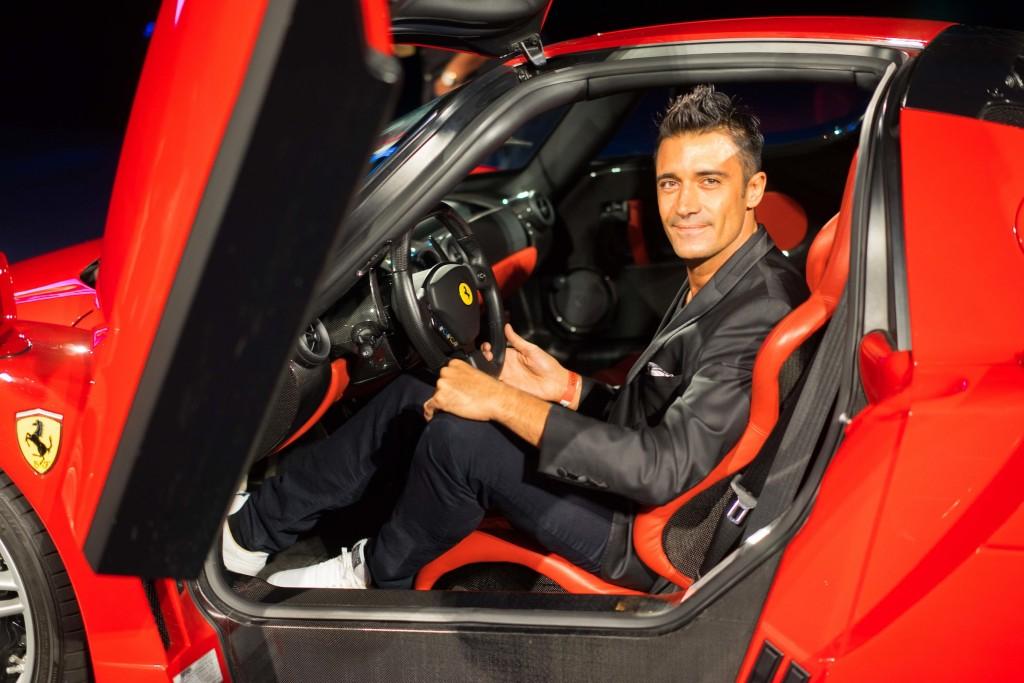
(686,401)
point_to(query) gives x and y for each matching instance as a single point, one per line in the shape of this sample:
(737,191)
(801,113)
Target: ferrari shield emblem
(466,293)
(39,437)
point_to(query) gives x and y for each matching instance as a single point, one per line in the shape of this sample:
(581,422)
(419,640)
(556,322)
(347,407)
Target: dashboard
(359,340)
(502,227)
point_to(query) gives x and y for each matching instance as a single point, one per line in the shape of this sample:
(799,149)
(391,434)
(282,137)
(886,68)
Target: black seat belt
(768,485)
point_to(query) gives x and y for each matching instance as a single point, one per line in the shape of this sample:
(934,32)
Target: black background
(69,71)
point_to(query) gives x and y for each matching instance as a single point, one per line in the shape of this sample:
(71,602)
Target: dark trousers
(458,469)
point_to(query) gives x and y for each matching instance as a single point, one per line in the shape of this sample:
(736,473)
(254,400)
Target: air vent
(312,340)
(543,209)
(314,345)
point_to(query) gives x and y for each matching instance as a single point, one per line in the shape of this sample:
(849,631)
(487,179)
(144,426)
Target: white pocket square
(655,370)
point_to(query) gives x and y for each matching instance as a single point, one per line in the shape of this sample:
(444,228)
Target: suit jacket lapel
(717,287)
(673,308)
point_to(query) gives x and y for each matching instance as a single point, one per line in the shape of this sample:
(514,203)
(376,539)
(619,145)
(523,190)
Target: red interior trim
(618,372)
(783,218)
(515,269)
(480,547)
(635,232)
(817,255)
(339,382)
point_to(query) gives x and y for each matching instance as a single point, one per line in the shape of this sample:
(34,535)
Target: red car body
(907,565)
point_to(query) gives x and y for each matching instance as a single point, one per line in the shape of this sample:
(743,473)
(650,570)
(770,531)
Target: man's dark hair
(703,110)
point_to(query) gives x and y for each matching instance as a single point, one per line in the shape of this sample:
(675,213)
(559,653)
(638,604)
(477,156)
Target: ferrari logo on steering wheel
(466,293)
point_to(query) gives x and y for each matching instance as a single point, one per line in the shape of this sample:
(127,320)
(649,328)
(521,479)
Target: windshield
(513,154)
(391,138)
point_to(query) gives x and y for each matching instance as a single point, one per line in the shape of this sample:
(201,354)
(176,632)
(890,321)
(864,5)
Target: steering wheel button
(436,304)
(449,292)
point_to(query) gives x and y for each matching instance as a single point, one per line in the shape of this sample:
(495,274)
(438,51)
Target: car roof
(833,28)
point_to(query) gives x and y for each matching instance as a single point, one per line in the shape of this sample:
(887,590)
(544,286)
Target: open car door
(251,128)
(250,132)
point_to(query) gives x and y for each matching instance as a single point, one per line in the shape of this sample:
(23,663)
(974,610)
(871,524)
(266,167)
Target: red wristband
(569,395)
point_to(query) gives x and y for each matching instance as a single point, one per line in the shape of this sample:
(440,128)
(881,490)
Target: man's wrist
(504,401)
(523,413)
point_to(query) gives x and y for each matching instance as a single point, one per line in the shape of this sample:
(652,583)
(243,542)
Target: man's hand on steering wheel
(529,368)
(438,308)
(467,392)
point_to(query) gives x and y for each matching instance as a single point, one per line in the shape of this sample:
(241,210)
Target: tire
(42,586)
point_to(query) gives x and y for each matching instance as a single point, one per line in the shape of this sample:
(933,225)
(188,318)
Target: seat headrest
(827,257)
(832,280)
(817,255)
(783,218)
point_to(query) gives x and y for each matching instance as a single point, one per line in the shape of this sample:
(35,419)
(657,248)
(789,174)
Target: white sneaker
(236,558)
(240,499)
(347,570)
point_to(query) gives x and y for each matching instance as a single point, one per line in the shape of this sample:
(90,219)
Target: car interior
(562,217)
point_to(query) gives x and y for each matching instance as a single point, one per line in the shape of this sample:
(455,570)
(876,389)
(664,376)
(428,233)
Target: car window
(790,112)
(513,154)
(639,131)
(797,112)
(391,138)
(517,151)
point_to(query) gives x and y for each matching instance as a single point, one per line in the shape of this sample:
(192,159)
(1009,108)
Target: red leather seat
(783,218)
(827,268)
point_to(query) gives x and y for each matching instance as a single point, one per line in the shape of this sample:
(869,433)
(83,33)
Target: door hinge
(531,49)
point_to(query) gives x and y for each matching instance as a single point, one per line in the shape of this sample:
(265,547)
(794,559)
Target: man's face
(703,198)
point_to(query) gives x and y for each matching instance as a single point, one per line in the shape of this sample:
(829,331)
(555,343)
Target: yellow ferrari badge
(466,293)
(39,437)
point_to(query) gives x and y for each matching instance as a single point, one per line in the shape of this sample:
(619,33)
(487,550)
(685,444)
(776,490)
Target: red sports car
(264,270)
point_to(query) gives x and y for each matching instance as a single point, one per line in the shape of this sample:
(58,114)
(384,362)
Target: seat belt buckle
(744,503)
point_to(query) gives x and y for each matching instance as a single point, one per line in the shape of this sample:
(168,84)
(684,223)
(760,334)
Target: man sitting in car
(563,459)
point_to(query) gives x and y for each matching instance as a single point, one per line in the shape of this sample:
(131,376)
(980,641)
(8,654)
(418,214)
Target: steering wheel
(438,307)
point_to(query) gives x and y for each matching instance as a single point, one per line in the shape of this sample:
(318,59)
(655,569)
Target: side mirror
(12,342)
